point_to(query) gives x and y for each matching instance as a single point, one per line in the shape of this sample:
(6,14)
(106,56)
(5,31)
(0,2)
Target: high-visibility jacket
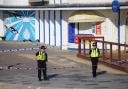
(41,56)
(95,52)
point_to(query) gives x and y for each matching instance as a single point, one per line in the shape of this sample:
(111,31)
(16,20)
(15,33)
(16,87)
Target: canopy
(86,16)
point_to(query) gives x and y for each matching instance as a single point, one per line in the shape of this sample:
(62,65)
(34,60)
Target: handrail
(119,61)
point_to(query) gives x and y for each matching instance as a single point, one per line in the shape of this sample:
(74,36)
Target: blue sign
(71,32)
(115,6)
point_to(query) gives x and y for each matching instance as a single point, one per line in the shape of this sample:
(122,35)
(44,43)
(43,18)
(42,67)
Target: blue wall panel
(71,32)
(19,25)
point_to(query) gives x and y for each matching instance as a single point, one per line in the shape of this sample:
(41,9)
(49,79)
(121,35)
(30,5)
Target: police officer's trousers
(94,61)
(42,67)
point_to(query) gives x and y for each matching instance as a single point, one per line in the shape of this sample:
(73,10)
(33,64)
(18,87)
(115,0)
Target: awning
(86,16)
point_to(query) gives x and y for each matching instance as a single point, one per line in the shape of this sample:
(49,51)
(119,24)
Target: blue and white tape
(14,68)
(21,49)
(28,68)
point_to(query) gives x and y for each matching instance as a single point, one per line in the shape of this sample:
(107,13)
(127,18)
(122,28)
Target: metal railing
(112,54)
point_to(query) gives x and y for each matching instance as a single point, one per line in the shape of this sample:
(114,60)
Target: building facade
(59,22)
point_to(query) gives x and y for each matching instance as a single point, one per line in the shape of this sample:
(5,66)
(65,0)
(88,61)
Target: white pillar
(51,1)
(57,13)
(57,1)
(37,25)
(41,27)
(46,27)
(52,35)
(1,24)
(64,31)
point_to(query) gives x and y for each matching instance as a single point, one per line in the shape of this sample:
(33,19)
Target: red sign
(76,41)
(98,28)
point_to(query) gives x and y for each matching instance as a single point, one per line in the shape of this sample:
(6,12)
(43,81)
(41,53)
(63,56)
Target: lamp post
(116,9)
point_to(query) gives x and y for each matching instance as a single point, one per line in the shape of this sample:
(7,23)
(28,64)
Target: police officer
(94,55)
(41,57)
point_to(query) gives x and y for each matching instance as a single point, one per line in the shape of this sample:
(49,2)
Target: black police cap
(94,44)
(43,47)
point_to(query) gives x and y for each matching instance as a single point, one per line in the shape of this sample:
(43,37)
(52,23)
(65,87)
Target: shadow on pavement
(101,72)
(52,76)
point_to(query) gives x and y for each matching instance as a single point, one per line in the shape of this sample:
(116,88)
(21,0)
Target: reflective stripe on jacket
(94,53)
(41,56)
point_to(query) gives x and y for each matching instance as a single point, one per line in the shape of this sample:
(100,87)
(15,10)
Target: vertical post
(61,29)
(49,26)
(79,46)
(60,1)
(78,28)
(103,49)
(54,28)
(44,25)
(39,25)
(111,52)
(54,1)
(119,54)
(79,41)
(119,28)
(84,45)
(116,9)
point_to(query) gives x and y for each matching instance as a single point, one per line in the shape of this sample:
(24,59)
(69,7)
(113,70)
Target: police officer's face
(42,50)
(94,46)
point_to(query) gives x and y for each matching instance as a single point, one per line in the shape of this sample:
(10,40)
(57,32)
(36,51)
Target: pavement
(65,70)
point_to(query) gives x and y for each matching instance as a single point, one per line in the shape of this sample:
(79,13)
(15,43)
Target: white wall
(123,17)
(1,24)
(126,29)
(89,1)
(45,25)
(1,2)
(54,33)
(65,16)
(51,1)
(64,30)
(83,1)
(109,28)
(57,1)
(65,1)
(26,2)
(16,2)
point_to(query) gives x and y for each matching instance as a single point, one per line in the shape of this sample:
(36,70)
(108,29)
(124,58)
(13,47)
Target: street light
(116,9)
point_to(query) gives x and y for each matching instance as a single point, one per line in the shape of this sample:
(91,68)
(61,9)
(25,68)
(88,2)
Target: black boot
(40,79)
(45,78)
(94,74)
